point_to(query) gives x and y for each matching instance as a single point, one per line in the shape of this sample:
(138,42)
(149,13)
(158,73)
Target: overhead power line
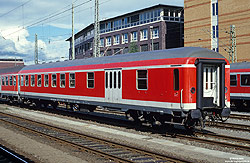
(15,8)
(47,18)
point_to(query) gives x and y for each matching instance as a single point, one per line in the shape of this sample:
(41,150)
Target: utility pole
(152,39)
(97,31)
(73,35)
(232,51)
(36,50)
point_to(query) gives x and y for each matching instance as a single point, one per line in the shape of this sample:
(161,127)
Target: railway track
(109,150)
(218,140)
(231,126)
(240,117)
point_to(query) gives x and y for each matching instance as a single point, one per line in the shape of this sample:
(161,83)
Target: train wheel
(136,116)
(54,105)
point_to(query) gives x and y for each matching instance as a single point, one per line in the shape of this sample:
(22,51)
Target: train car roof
(185,52)
(240,65)
(11,70)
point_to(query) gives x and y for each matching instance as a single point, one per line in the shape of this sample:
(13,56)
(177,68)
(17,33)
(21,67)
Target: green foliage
(133,48)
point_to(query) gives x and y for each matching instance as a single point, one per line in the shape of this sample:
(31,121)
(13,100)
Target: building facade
(153,28)
(208,24)
(8,63)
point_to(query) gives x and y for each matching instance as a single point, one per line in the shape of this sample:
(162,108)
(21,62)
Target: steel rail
(156,156)
(231,126)
(240,117)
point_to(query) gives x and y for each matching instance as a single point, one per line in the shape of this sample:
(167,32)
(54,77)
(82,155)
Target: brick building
(7,63)
(207,24)
(163,22)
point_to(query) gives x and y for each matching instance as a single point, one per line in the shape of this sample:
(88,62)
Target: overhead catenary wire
(47,18)
(15,8)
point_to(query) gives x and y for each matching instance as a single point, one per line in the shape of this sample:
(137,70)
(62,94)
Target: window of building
(90,79)
(109,52)
(156,46)
(11,80)
(32,80)
(144,34)
(22,80)
(215,9)
(62,80)
(3,82)
(14,80)
(144,48)
(125,50)
(116,39)
(53,80)
(72,80)
(108,41)
(134,36)
(216,49)
(176,79)
(6,81)
(155,32)
(39,80)
(233,80)
(26,80)
(215,31)
(245,80)
(102,42)
(142,79)
(46,80)
(124,38)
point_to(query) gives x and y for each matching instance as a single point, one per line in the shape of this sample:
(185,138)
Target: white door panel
(211,82)
(113,86)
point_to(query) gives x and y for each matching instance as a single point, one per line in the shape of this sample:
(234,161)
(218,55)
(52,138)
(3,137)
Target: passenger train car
(183,85)
(240,84)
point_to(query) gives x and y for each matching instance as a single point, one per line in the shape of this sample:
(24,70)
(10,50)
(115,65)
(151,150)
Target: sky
(51,20)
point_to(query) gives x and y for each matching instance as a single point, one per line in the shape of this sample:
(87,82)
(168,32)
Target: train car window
(22,80)
(3,82)
(176,79)
(46,80)
(90,79)
(32,80)
(26,80)
(233,80)
(6,81)
(106,80)
(14,80)
(53,80)
(39,80)
(72,80)
(11,82)
(114,79)
(119,79)
(245,80)
(110,79)
(142,79)
(62,80)
(206,78)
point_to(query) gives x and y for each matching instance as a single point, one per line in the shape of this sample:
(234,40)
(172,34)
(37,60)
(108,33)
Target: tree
(133,48)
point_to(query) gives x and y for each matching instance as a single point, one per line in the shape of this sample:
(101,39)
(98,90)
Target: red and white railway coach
(240,84)
(181,85)
(8,82)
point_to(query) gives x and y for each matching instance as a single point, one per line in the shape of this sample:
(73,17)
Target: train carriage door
(1,84)
(211,83)
(113,86)
(19,83)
